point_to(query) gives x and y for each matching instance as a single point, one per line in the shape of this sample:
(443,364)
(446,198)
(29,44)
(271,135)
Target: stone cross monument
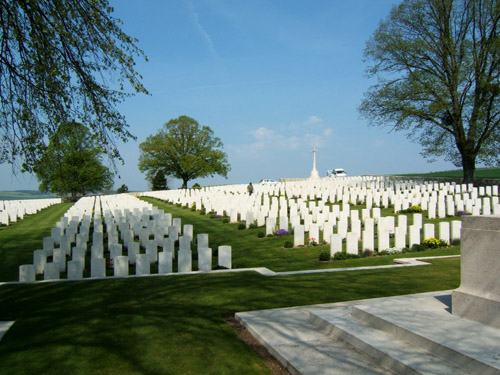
(314,172)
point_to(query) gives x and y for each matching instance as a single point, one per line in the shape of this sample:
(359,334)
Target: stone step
(449,336)
(385,349)
(303,350)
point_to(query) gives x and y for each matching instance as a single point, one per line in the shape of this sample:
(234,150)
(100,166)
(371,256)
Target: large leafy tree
(62,60)
(159,181)
(183,149)
(71,164)
(438,69)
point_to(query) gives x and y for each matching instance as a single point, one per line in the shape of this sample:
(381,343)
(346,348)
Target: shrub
(312,242)
(343,255)
(455,242)
(261,234)
(241,226)
(324,256)
(203,211)
(225,220)
(196,186)
(193,208)
(417,247)
(283,232)
(252,226)
(270,235)
(288,244)
(368,253)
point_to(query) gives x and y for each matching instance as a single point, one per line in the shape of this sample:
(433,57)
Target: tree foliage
(159,181)
(183,149)
(62,61)
(438,69)
(122,189)
(71,165)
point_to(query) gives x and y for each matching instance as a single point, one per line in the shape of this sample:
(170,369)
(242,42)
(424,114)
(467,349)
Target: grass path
(20,239)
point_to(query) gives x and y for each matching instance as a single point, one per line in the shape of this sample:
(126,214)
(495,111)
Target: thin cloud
(205,35)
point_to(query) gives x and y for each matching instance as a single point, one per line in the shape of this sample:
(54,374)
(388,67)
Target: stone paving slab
(4,327)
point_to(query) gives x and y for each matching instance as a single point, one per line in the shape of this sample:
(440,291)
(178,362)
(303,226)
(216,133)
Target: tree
(71,164)
(184,150)
(438,69)
(122,189)
(159,181)
(61,61)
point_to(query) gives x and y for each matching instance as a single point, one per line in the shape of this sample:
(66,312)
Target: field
(487,173)
(175,324)
(24,194)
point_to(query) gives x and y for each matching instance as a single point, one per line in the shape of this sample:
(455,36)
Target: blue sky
(272,78)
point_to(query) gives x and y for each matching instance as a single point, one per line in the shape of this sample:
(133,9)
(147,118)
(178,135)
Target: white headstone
(143,264)
(39,261)
(224,254)
(298,235)
(51,271)
(120,265)
(75,270)
(164,262)
(205,259)
(184,261)
(97,267)
(27,273)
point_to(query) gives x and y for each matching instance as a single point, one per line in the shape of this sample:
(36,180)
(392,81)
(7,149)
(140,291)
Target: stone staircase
(413,334)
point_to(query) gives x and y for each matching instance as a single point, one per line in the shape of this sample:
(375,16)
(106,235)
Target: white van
(337,172)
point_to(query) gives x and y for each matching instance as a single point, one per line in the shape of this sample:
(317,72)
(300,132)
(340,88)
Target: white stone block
(165,262)
(202,241)
(313,233)
(97,267)
(142,264)
(335,244)
(51,271)
(298,235)
(48,245)
(429,231)
(352,243)
(39,261)
(270,225)
(417,220)
(97,251)
(383,240)
(151,251)
(225,256)
(456,227)
(400,237)
(414,238)
(205,259)
(59,257)
(27,273)
(368,240)
(120,266)
(133,249)
(75,270)
(184,261)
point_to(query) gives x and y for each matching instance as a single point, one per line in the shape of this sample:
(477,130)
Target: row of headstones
(67,232)
(11,211)
(227,200)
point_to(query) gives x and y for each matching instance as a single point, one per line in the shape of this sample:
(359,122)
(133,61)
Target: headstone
(202,241)
(97,267)
(429,231)
(400,238)
(368,240)
(39,261)
(298,235)
(414,238)
(59,257)
(120,266)
(151,251)
(444,231)
(48,245)
(383,240)
(205,259)
(51,271)
(27,273)
(75,270)
(335,244)
(478,297)
(132,251)
(142,264)
(184,261)
(96,251)
(352,243)
(224,254)
(164,262)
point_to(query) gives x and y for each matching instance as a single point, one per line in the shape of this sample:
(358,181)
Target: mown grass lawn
(174,324)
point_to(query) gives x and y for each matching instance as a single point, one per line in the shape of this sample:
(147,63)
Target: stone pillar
(224,253)
(478,297)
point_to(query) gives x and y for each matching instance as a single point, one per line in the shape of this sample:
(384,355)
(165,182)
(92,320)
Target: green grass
(174,324)
(20,239)
(487,173)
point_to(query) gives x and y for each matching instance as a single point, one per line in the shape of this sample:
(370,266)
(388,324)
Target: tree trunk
(469,167)
(184,183)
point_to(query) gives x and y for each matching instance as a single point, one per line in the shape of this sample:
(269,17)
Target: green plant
(325,256)
(415,208)
(417,247)
(225,220)
(241,226)
(433,243)
(344,255)
(368,253)
(288,244)
(252,226)
(261,234)
(270,235)
(455,242)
